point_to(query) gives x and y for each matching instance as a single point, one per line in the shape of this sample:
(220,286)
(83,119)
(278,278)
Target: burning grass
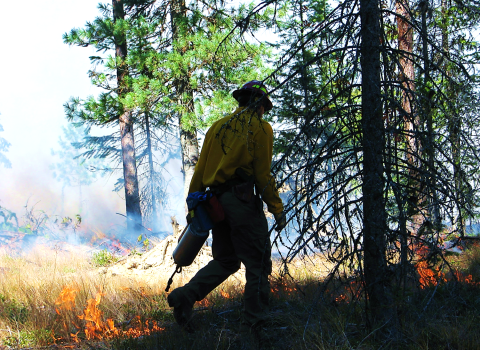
(58,299)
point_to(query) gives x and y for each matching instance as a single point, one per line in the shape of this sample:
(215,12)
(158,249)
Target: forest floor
(53,299)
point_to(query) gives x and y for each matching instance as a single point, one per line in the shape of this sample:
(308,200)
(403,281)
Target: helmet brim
(240,92)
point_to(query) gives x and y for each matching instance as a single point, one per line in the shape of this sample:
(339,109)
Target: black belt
(226,186)
(241,178)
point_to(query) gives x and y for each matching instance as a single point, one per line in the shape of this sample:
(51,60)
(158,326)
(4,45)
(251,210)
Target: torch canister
(190,243)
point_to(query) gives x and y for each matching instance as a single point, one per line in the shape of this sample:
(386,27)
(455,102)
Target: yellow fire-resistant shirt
(239,140)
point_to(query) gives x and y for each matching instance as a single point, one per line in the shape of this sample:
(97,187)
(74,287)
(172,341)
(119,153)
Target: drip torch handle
(170,280)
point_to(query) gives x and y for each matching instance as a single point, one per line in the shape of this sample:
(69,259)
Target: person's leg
(249,235)
(224,263)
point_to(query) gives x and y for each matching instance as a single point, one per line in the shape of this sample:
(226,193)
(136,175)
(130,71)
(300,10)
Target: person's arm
(262,161)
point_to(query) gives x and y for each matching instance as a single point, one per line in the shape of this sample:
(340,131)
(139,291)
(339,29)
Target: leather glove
(280,221)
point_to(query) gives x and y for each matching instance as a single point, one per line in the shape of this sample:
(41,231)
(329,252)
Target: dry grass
(441,317)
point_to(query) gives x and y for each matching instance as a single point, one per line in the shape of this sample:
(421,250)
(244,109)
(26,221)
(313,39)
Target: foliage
(306,311)
(13,310)
(22,339)
(429,154)
(71,169)
(144,241)
(39,223)
(103,258)
(427,174)
(178,74)
(10,221)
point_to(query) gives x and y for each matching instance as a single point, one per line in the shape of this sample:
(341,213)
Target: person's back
(239,140)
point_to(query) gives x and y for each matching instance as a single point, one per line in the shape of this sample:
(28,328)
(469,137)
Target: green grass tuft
(103,258)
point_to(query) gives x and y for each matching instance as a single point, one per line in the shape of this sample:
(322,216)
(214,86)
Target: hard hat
(255,87)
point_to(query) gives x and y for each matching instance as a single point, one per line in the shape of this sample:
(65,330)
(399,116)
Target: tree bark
(188,138)
(411,118)
(190,154)
(373,143)
(132,197)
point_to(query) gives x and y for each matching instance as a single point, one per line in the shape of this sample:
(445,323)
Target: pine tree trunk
(190,154)
(411,119)
(151,179)
(188,138)
(132,197)
(427,113)
(374,211)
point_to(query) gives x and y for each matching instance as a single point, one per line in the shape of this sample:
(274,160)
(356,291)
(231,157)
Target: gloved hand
(280,221)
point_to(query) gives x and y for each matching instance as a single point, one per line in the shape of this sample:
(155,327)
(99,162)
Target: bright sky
(39,74)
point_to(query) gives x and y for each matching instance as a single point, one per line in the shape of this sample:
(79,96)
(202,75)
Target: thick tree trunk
(132,197)
(374,212)
(190,154)
(411,118)
(188,139)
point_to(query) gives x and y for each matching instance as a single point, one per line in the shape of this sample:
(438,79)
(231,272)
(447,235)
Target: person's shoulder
(220,124)
(229,116)
(266,126)
(265,123)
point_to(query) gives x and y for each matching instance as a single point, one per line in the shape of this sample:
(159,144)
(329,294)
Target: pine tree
(383,141)
(109,34)
(71,169)
(178,75)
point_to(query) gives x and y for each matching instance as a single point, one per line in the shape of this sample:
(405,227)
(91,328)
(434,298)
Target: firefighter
(235,164)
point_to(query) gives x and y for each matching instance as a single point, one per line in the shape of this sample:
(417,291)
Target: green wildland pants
(241,237)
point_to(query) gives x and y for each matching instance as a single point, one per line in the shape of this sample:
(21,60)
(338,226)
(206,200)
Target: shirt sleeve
(196,184)
(262,162)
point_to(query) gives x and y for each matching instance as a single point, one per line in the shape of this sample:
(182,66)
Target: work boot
(182,309)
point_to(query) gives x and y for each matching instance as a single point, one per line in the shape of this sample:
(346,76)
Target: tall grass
(305,313)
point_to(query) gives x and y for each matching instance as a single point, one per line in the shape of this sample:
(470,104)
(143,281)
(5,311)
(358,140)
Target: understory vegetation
(54,299)
(375,154)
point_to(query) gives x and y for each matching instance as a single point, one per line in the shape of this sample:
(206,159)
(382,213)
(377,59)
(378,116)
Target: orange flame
(93,316)
(465,279)
(225,294)
(117,246)
(203,303)
(96,327)
(281,288)
(429,277)
(352,291)
(66,299)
